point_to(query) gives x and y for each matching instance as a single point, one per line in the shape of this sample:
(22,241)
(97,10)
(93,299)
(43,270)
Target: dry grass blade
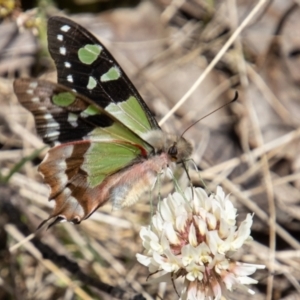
(216,59)
(251,148)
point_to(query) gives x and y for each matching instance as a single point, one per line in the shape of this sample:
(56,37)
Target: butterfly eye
(173,152)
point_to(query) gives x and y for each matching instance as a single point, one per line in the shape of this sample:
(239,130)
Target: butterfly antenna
(42,224)
(56,221)
(236,96)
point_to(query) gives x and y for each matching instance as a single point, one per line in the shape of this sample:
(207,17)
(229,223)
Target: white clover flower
(193,236)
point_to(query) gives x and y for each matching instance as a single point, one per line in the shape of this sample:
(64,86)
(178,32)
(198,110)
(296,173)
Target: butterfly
(106,143)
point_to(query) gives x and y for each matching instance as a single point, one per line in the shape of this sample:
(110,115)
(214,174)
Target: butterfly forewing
(84,65)
(62,115)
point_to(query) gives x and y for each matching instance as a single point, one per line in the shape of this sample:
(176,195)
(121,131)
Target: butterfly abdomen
(135,182)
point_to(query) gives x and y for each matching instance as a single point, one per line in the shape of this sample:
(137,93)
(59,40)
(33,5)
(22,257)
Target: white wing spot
(62,177)
(62,50)
(73,202)
(67,151)
(52,134)
(67,64)
(52,124)
(70,78)
(35,99)
(72,119)
(65,28)
(33,84)
(47,116)
(42,108)
(29,92)
(60,37)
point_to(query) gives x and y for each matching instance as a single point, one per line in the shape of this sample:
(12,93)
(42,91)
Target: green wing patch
(130,113)
(103,159)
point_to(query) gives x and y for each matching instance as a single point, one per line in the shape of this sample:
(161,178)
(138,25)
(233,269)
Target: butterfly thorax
(176,147)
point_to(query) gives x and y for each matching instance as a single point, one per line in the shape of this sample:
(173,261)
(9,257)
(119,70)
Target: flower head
(192,235)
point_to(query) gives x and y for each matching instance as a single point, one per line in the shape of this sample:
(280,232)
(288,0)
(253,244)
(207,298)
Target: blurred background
(250,148)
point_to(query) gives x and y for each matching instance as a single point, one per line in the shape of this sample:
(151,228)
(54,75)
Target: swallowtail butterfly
(107,144)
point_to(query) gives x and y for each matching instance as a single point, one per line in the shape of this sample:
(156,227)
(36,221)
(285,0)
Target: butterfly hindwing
(82,175)
(83,64)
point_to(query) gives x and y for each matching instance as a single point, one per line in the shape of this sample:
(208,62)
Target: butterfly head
(177,147)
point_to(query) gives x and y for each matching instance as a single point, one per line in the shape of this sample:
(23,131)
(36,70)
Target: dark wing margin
(85,65)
